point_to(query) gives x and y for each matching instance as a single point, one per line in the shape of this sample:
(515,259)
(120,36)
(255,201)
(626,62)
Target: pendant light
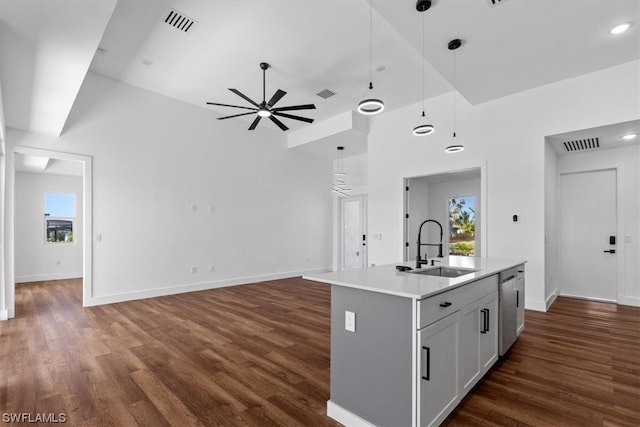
(424,128)
(370,105)
(454,147)
(339,185)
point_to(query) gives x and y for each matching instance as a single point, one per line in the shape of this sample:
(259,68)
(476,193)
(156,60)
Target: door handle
(485,320)
(445,304)
(611,251)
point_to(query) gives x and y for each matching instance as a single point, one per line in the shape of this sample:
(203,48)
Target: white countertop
(386,279)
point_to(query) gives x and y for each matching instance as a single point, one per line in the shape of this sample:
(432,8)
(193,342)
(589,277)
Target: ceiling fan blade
(237,115)
(289,116)
(243,96)
(278,122)
(255,123)
(234,106)
(276,97)
(296,107)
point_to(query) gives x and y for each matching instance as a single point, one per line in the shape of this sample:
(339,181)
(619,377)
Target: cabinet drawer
(438,306)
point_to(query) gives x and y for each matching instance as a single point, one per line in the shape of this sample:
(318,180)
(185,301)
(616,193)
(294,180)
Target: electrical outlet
(194,208)
(211,268)
(194,269)
(350,321)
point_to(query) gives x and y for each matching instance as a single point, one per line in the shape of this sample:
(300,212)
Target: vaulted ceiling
(47,47)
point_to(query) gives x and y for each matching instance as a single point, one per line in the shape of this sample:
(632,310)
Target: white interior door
(587,220)
(353,232)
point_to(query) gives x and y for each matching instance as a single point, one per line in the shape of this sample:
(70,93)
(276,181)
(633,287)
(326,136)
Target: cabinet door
(438,389)
(470,327)
(520,303)
(488,332)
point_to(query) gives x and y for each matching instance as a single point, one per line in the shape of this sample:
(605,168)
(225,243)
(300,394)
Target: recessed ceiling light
(619,29)
(630,136)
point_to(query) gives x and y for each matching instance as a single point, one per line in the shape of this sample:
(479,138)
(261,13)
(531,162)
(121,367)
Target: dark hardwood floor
(258,355)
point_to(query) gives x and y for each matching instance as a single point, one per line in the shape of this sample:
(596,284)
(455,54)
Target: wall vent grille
(179,20)
(326,93)
(581,144)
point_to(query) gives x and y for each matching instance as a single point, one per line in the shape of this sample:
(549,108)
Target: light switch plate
(350,321)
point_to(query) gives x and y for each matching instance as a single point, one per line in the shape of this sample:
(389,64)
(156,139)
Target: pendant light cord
(370,44)
(423,59)
(454,93)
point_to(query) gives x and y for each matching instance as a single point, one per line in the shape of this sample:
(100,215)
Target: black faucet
(419,260)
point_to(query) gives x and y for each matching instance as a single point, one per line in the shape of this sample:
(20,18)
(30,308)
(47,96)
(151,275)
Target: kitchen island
(406,346)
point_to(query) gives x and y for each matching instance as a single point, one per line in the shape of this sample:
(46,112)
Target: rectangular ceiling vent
(495,2)
(179,20)
(581,144)
(326,93)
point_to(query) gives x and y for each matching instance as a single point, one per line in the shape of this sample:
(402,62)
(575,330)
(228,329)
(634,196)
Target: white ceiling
(312,45)
(46,165)
(609,136)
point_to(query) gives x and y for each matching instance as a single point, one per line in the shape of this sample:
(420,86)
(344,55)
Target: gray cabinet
(438,370)
(478,340)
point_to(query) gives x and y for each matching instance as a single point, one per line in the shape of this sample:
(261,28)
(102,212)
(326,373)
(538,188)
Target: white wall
(628,162)
(507,133)
(261,210)
(550,224)
(34,259)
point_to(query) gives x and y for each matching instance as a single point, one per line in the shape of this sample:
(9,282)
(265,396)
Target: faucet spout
(419,260)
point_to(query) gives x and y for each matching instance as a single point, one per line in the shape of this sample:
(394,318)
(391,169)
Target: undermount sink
(444,271)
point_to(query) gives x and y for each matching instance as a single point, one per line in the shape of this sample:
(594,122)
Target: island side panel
(371,368)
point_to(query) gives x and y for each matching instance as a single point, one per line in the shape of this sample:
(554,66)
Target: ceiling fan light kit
(266,109)
(424,128)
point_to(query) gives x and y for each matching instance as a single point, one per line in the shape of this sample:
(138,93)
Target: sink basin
(444,271)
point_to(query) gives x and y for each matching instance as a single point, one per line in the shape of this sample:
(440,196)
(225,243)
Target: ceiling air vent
(326,93)
(495,2)
(179,20)
(581,144)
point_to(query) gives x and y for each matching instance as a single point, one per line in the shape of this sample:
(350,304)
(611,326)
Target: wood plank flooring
(258,355)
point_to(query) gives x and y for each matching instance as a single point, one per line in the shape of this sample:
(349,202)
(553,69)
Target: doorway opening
(58,243)
(455,200)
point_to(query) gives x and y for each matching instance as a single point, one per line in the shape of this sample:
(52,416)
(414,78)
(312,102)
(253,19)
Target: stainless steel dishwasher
(508,309)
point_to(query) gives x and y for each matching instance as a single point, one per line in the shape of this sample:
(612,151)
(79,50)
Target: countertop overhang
(386,279)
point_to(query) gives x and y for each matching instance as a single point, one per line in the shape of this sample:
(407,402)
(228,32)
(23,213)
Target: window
(462,226)
(59,215)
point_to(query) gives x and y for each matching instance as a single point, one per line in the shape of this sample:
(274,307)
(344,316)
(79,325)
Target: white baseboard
(535,305)
(192,287)
(550,299)
(4,314)
(612,301)
(44,277)
(634,301)
(344,417)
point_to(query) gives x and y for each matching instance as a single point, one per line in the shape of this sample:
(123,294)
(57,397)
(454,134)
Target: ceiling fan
(266,109)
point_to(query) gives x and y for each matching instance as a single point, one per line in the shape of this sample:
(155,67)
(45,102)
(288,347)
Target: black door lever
(611,251)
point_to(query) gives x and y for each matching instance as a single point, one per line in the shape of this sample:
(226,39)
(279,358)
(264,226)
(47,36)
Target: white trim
(192,287)
(87,223)
(535,305)
(4,315)
(46,277)
(344,417)
(551,299)
(627,300)
(612,301)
